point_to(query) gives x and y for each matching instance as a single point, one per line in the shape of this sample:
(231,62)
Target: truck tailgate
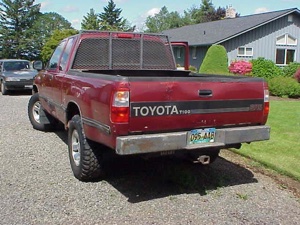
(160,104)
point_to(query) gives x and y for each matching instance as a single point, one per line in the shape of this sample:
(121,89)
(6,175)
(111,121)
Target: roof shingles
(218,31)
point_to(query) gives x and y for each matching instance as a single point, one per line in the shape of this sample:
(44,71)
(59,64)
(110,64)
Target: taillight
(120,107)
(266,105)
(266,102)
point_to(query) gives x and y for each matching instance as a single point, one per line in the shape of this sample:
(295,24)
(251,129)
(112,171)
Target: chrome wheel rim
(36,111)
(75,147)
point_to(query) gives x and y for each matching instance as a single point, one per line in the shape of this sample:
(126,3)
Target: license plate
(201,136)
(28,86)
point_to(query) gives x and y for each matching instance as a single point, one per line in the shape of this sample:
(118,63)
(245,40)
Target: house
(273,35)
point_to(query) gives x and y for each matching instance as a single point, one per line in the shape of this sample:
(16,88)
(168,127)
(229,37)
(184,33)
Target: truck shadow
(142,179)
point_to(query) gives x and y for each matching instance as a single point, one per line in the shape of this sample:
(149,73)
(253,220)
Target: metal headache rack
(100,50)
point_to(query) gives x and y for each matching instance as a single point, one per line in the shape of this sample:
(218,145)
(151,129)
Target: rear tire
(34,113)
(85,158)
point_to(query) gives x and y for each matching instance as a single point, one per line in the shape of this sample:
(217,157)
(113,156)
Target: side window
(53,63)
(65,55)
(0,66)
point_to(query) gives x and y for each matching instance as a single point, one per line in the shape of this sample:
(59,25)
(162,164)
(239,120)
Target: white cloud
(76,23)
(139,21)
(45,6)
(261,10)
(152,12)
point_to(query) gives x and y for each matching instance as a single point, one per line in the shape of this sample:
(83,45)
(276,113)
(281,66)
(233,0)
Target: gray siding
(263,40)
(196,60)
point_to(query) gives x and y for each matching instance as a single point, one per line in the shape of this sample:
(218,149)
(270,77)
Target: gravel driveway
(38,187)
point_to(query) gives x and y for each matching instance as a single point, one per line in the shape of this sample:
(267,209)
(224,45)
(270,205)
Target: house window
(194,52)
(285,53)
(244,51)
(179,52)
(285,56)
(286,40)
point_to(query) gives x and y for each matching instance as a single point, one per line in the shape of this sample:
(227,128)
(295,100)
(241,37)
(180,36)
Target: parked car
(16,74)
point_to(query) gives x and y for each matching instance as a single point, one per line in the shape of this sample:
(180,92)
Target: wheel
(85,158)
(35,114)
(3,88)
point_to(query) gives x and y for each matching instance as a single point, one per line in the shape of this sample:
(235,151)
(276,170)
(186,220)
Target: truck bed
(164,101)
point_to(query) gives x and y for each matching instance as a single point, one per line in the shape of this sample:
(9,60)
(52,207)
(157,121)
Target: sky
(136,11)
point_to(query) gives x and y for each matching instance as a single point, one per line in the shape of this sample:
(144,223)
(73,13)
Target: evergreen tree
(90,21)
(16,20)
(111,18)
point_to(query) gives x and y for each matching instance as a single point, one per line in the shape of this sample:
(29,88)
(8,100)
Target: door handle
(205,93)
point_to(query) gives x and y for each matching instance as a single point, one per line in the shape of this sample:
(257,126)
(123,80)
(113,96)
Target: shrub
(193,69)
(215,60)
(240,67)
(291,69)
(265,68)
(284,87)
(297,75)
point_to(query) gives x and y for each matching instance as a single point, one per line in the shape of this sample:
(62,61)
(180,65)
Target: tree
(215,60)
(205,13)
(90,21)
(164,20)
(111,19)
(48,22)
(16,20)
(53,42)
(43,28)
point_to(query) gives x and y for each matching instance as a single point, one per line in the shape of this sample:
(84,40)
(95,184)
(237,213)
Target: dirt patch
(275,98)
(284,182)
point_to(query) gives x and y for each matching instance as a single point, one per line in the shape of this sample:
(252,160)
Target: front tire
(85,159)
(3,88)
(35,111)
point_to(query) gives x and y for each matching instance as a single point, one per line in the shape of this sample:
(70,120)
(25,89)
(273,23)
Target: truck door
(49,80)
(59,79)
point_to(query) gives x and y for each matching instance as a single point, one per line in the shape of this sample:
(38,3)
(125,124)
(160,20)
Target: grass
(282,152)
(242,196)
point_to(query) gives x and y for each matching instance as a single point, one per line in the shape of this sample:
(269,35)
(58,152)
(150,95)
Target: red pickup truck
(122,92)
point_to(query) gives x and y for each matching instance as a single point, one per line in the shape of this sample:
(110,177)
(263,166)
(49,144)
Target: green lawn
(282,151)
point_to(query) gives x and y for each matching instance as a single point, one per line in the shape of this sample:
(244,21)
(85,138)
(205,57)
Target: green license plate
(198,136)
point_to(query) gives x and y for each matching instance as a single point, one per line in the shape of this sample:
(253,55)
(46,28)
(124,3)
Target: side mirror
(38,65)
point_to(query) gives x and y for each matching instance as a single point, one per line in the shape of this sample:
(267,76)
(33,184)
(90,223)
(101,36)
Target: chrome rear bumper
(152,143)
